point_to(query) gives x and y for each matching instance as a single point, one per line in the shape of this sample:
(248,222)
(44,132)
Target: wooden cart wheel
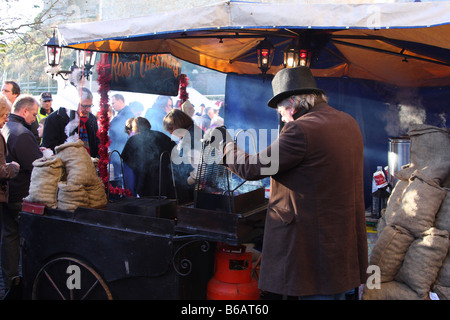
(68,278)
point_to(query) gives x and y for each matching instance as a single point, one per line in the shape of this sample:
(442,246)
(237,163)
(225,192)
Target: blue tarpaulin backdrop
(381,110)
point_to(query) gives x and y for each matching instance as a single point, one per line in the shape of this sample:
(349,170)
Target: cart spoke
(90,289)
(54,284)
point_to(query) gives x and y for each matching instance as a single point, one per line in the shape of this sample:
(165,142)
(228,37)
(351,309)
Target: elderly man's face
(85,107)
(286,109)
(286,113)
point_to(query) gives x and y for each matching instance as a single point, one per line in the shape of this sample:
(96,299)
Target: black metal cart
(137,248)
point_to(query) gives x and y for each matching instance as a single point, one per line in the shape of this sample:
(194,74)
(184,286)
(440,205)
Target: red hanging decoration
(184,81)
(104,81)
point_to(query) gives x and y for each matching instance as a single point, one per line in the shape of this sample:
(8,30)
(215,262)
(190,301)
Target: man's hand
(217,137)
(46,152)
(15,164)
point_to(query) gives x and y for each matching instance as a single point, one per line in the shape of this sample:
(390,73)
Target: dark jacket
(315,240)
(24,149)
(7,171)
(142,154)
(35,125)
(54,130)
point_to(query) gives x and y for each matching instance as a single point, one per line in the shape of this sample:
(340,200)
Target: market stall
(365,43)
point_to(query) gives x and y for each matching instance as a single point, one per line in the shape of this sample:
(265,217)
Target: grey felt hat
(292,81)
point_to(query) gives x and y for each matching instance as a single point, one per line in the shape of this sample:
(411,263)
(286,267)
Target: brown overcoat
(7,171)
(315,238)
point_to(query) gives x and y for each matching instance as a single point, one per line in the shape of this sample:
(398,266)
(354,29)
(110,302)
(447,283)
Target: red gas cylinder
(232,278)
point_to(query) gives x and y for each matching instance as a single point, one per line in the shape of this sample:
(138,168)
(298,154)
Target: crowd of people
(315,242)
(141,149)
(145,144)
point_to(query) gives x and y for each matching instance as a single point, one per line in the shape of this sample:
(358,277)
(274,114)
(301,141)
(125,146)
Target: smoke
(399,118)
(408,111)
(443,119)
(410,115)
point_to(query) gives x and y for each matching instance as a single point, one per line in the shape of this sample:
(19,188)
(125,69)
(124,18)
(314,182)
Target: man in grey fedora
(315,242)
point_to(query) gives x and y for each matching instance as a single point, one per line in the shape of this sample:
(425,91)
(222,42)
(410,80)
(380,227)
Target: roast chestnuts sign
(145,73)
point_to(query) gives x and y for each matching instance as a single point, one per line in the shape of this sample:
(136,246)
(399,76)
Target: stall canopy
(403,44)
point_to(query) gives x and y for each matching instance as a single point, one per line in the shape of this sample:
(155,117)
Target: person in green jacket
(44,110)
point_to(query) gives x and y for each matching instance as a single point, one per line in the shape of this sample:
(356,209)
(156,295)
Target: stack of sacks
(413,244)
(46,174)
(442,284)
(82,186)
(67,180)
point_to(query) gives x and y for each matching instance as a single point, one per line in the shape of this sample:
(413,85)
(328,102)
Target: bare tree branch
(13,26)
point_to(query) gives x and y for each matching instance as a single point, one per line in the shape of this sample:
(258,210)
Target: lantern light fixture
(305,58)
(86,59)
(291,56)
(53,49)
(297,54)
(265,52)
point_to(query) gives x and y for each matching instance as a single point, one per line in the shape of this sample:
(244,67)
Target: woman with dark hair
(142,154)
